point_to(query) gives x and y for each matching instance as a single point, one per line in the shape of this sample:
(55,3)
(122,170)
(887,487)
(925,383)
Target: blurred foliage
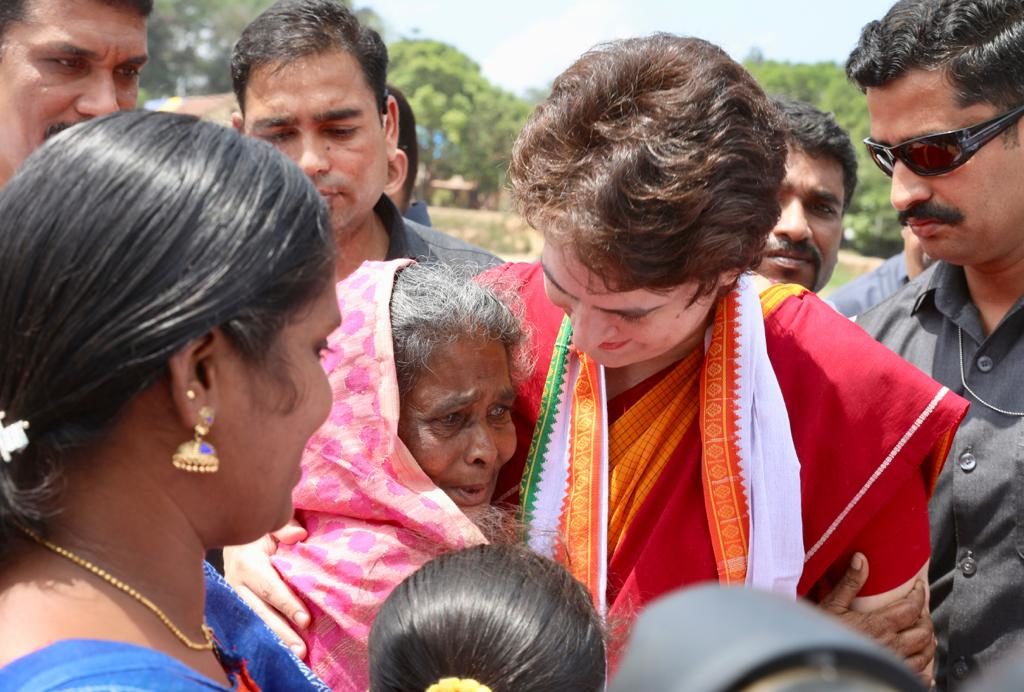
(870,217)
(466,125)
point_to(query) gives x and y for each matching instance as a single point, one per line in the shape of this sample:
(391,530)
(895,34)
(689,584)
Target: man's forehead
(804,169)
(919,102)
(69,12)
(88,25)
(336,70)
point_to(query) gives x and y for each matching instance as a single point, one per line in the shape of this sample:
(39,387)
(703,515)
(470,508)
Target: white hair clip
(12,437)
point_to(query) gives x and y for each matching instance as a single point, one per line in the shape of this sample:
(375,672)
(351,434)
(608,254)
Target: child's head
(497,614)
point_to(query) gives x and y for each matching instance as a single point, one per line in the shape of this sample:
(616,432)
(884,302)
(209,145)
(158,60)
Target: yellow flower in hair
(458,685)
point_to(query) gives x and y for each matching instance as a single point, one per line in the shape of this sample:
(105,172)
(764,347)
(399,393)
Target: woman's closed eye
(633,318)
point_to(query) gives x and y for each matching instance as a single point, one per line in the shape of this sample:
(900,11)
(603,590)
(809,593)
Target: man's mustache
(803,249)
(930,210)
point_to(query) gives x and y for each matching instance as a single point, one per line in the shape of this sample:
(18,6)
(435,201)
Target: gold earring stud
(197,455)
(190,395)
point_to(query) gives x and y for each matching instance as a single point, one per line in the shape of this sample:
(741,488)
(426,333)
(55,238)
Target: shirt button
(985,364)
(969,565)
(961,668)
(968,461)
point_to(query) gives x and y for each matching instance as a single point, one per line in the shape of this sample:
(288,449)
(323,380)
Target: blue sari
(250,653)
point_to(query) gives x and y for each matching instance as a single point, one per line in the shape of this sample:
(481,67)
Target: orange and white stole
(564,489)
(749,465)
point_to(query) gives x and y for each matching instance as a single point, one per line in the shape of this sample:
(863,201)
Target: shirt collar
(942,287)
(393,224)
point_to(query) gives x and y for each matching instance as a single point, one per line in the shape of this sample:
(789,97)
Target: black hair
(498,614)
(13,11)
(290,30)
(817,134)
(978,44)
(407,139)
(124,239)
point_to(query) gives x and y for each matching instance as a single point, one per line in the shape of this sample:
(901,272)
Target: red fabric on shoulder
(895,539)
(854,408)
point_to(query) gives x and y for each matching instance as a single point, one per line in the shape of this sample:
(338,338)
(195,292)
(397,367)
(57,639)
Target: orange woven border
(581,518)
(724,500)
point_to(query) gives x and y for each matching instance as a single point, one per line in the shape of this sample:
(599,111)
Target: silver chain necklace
(963,381)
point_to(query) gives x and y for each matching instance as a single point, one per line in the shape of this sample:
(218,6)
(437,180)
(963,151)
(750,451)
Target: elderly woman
(422,372)
(166,298)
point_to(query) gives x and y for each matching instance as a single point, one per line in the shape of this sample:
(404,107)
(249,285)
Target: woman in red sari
(682,428)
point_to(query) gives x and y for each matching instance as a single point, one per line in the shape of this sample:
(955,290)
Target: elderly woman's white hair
(435,305)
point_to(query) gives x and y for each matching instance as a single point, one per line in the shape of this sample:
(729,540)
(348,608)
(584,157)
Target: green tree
(466,124)
(870,216)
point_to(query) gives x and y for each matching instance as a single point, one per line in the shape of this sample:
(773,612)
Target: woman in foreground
(167,294)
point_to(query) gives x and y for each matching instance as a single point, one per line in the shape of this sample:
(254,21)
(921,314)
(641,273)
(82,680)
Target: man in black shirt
(945,90)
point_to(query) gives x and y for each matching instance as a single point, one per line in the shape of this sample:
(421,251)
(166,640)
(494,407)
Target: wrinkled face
(974,215)
(457,419)
(66,62)
(321,113)
(258,436)
(804,245)
(621,329)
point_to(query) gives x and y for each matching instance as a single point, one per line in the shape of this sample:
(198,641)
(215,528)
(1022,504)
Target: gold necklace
(118,584)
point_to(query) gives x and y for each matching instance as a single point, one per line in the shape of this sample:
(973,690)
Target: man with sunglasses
(944,81)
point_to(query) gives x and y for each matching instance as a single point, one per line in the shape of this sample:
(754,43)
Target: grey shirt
(977,513)
(424,244)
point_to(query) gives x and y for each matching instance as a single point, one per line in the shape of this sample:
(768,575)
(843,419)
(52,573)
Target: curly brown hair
(658,160)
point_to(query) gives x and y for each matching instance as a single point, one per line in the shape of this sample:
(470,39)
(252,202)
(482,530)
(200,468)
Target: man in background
(63,62)
(821,176)
(310,79)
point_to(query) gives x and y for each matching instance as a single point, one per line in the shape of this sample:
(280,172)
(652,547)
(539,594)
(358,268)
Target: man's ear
(391,126)
(398,168)
(238,121)
(196,376)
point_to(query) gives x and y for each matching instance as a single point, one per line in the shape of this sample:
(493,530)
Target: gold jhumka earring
(197,455)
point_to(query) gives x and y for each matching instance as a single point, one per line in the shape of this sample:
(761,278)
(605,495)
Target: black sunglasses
(941,152)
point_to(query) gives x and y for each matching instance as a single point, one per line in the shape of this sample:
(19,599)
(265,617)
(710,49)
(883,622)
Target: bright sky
(526,43)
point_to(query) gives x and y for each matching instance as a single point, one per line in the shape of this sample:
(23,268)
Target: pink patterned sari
(372,515)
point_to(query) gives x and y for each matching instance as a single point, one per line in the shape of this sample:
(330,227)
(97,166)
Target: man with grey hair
(944,81)
(62,62)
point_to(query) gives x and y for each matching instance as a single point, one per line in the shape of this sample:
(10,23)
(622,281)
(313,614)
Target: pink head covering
(372,515)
